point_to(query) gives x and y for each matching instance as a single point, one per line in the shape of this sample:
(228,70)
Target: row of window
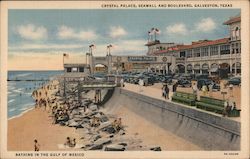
(75,69)
(236,48)
(204,51)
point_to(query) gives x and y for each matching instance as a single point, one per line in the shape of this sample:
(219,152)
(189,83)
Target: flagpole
(63,61)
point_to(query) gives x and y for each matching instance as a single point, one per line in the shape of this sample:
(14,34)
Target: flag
(157,31)
(92,46)
(65,55)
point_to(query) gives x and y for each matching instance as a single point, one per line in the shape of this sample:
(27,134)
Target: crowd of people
(70,142)
(206,90)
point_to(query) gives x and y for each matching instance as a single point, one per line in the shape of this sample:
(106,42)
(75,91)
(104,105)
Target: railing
(99,83)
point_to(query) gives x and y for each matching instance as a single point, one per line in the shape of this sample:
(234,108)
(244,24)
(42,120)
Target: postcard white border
(243,5)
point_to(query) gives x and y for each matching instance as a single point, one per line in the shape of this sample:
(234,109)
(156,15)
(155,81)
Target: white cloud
(178,29)
(117,31)
(65,32)
(32,32)
(129,47)
(206,25)
(44,46)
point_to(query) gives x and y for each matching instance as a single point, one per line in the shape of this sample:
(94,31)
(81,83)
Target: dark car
(202,82)
(234,81)
(202,76)
(167,79)
(184,83)
(176,76)
(187,76)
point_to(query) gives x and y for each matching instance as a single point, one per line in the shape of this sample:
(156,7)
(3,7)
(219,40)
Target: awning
(205,67)
(189,67)
(196,67)
(214,69)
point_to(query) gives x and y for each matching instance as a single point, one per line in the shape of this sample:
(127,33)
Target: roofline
(232,20)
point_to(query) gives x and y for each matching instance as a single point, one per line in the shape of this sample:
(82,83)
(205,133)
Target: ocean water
(19,92)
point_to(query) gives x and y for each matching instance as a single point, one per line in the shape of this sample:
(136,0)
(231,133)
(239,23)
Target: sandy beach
(36,124)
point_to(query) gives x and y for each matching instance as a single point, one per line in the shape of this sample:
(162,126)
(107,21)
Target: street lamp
(108,47)
(108,55)
(91,48)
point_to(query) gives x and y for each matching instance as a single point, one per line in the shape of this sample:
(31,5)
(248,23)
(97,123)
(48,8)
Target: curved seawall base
(208,131)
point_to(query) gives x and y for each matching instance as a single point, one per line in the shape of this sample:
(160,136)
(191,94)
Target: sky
(37,39)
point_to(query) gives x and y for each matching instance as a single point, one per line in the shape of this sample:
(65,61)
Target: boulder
(102,141)
(114,147)
(157,148)
(104,125)
(75,112)
(95,147)
(96,137)
(79,126)
(77,119)
(73,124)
(123,144)
(93,107)
(99,144)
(109,129)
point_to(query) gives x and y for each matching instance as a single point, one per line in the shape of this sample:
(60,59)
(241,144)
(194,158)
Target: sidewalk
(156,92)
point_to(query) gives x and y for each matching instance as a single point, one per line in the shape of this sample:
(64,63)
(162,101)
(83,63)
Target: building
(118,64)
(207,56)
(76,68)
(155,46)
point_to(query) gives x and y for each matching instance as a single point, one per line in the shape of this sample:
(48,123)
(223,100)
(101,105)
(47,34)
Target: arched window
(237,32)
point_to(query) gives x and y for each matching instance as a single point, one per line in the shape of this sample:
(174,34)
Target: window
(237,33)
(213,50)
(224,49)
(189,53)
(74,69)
(204,51)
(197,52)
(69,69)
(182,54)
(236,48)
(233,48)
(81,69)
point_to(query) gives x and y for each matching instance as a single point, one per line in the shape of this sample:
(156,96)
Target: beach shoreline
(21,114)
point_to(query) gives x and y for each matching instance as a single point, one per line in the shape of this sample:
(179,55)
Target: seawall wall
(207,130)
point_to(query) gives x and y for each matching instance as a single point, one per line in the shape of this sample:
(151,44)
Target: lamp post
(91,58)
(235,67)
(108,56)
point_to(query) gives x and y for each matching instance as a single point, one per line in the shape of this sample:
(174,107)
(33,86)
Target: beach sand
(36,124)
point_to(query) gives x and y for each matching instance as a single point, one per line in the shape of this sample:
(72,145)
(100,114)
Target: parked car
(202,76)
(187,76)
(146,80)
(167,79)
(184,83)
(234,81)
(202,82)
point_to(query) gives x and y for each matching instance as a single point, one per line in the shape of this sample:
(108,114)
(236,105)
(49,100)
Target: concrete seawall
(208,131)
